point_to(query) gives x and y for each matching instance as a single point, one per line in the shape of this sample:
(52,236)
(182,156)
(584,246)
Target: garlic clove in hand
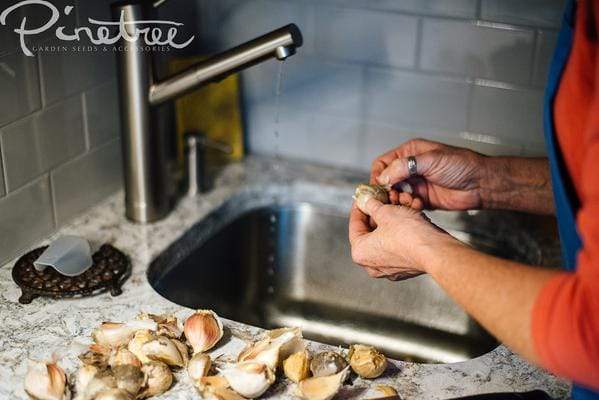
(135,344)
(203,330)
(297,366)
(159,379)
(198,366)
(366,192)
(46,381)
(249,378)
(327,363)
(165,350)
(322,387)
(367,361)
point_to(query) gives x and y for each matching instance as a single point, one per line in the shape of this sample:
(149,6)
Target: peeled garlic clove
(139,339)
(116,334)
(384,391)
(113,394)
(327,363)
(46,381)
(297,366)
(123,356)
(366,192)
(159,378)
(322,387)
(203,330)
(165,350)
(129,378)
(198,366)
(367,361)
(250,378)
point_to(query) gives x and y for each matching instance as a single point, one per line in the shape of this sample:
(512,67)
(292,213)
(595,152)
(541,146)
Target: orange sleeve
(565,318)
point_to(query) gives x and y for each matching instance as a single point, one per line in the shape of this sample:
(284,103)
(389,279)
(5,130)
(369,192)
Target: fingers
(371,208)
(359,224)
(397,171)
(410,148)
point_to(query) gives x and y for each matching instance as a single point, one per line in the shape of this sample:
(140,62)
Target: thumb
(371,207)
(397,170)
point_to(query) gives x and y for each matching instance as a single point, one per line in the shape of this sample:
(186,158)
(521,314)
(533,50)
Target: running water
(278,91)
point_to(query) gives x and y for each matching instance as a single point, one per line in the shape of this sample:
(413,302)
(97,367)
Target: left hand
(397,248)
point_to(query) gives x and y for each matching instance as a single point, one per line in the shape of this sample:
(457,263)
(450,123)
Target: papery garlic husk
(129,378)
(159,379)
(297,366)
(102,381)
(384,391)
(293,342)
(322,387)
(122,356)
(268,350)
(183,350)
(365,192)
(249,378)
(83,377)
(198,366)
(166,350)
(96,355)
(327,363)
(114,394)
(203,329)
(139,339)
(46,381)
(116,334)
(367,361)
(168,325)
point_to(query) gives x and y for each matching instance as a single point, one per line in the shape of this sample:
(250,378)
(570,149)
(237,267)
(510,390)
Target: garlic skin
(168,325)
(46,381)
(83,377)
(123,356)
(327,363)
(249,378)
(116,334)
(113,394)
(293,343)
(203,330)
(129,378)
(384,391)
(322,387)
(102,381)
(365,192)
(159,379)
(198,366)
(96,355)
(135,344)
(165,350)
(297,366)
(367,361)
(268,351)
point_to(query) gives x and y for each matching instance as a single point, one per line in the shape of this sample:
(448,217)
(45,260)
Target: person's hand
(397,248)
(447,177)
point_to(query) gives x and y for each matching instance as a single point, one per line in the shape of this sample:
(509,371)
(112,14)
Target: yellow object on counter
(213,110)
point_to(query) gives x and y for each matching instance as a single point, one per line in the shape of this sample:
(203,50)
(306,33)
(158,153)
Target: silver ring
(412,166)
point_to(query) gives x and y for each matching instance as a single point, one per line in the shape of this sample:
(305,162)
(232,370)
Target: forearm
(517,183)
(499,294)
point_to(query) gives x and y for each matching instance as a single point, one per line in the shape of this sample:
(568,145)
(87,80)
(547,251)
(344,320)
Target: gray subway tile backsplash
(102,113)
(19,87)
(2,189)
(474,50)
(26,216)
(546,41)
(544,13)
(83,182)
(38,143)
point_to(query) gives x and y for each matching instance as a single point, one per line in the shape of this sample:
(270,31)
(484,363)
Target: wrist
(436,250)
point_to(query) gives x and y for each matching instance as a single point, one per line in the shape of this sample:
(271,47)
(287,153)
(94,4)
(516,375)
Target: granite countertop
(62,327)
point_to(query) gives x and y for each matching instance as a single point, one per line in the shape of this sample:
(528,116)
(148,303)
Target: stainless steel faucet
(146,174)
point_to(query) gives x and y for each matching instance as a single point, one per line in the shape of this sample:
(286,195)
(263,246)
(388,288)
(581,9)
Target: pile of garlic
(136,359)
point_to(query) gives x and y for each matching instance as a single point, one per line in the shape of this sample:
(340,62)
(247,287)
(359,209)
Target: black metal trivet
(109,271)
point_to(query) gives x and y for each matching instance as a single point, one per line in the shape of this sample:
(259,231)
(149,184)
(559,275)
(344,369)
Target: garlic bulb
(322,387)
(367,361)
(115,334)
(165,350)
(139,339)
(46,381)
(327,363)
(198,366)
(297,366)
(384,391)
(168,325)
(129,378)
(293,341)
(113,394)
(250,378)
(203,330)
(122,356)
(366,192)
(159,379)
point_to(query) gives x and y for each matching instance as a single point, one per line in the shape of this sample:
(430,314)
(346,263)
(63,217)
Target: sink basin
(274,263)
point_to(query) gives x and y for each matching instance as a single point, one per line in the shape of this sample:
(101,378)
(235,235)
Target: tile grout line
(84,111)
(53,198)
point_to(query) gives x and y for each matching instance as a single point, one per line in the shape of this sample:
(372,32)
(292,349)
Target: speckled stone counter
(62,327)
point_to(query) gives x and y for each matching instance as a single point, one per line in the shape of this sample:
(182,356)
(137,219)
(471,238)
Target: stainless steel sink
(289,264)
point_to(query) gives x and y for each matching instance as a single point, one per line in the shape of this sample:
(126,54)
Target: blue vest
(566,200)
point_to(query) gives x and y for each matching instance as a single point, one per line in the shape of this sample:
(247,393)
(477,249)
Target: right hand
(448,177)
